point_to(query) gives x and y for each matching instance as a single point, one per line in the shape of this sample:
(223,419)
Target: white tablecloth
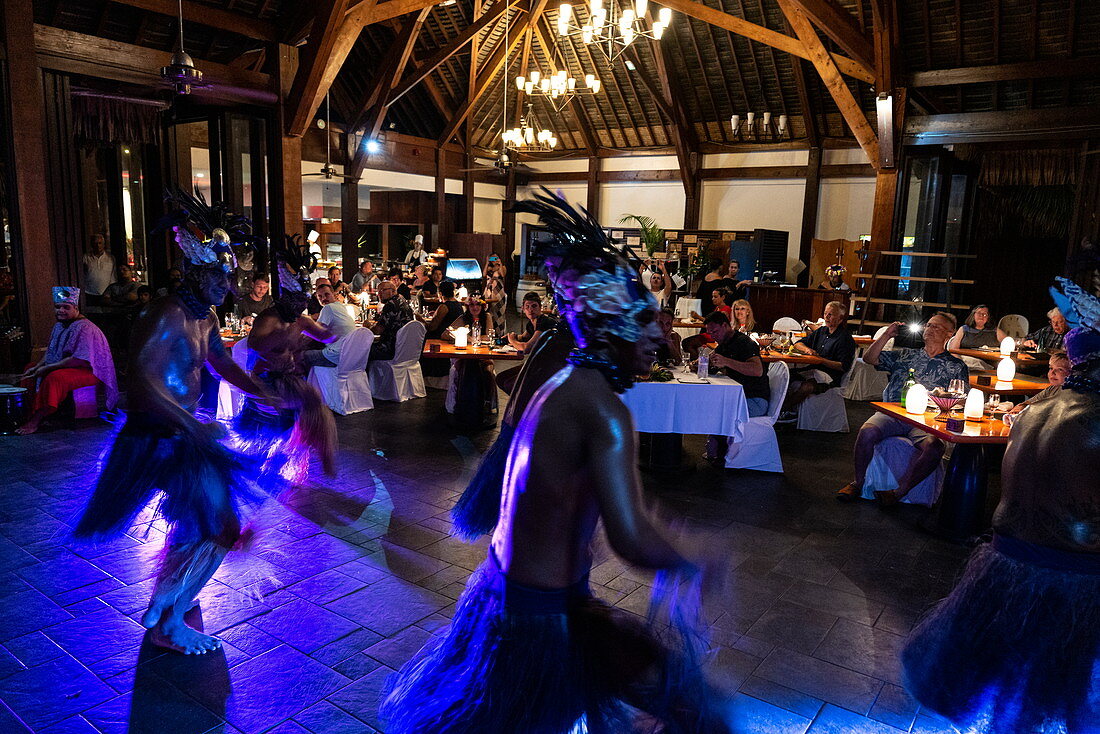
(718,408)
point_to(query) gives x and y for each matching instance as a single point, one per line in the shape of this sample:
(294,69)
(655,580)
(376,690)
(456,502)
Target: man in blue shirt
(933,366)
(835,345)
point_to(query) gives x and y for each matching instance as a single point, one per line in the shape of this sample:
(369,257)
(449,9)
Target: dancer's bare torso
(279,344)
(1051,475)
(168,349)
(573,460)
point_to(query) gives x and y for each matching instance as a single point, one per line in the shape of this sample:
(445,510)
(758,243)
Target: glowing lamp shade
(975,405)
(1008,346)
(462,337)
(1006,370)
(916,400)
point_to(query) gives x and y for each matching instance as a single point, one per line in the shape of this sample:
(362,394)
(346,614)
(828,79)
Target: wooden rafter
(223,20)
(684,138)
(488,74)
(1048,69)
(759,33)
(373,112)
(330,42)
(836,23)
(440,56)
(834,82)
(369,12)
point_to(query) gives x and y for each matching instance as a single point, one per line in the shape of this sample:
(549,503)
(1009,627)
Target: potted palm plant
(652,235)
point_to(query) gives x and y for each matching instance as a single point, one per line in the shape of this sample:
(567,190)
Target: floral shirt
(394,314)
(931,372)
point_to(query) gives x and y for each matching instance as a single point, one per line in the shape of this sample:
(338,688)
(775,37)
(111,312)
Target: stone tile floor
(353,575)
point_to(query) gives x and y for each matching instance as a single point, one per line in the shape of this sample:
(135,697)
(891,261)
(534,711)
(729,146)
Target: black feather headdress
(296,263)
(206,232)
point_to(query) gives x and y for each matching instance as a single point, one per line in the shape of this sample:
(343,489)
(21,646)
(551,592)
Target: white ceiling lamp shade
(612,28)
(769,130)
(640,6)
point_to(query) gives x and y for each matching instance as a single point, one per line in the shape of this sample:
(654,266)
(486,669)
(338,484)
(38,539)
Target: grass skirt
(1014,648)
(476,512)
(519,660)
(204,483)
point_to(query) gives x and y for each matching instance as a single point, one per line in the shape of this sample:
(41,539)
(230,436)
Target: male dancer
(276,338)
(1016,646)
(477,510)
(530,649)
(164,446)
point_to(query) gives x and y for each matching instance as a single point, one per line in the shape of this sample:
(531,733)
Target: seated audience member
(933,366)
(335,273)
(175,280)
(145,294)
(448,311)
(477,312)
(77,356)
(537,322)
(394,314)
(719,302)
(365,279)
(742,318)
(398,279)
(834,279)
(1048,338)
(738,356)
(313,308)
(833,343)
(659,284)
(977,331)
(429,291)
(670,351)
(252,304)
(420,277)
(339,318)
(1058,370)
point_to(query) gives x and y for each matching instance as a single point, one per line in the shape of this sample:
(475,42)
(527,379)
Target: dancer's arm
(221,362)
(618,486)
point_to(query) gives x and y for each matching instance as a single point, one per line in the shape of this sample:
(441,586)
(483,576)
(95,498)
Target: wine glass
(957,387)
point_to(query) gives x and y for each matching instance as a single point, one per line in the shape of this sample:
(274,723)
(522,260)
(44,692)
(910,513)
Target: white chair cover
(1014,325)
(452,388)
(864,381)
(230,399)
(891,459)
(826,412)
(345,387)
(759,448)
(786,324)
(400,378)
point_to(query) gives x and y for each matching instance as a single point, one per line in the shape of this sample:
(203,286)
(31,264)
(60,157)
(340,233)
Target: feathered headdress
(296,262)
(206,232)
(595,284)
(1082,313)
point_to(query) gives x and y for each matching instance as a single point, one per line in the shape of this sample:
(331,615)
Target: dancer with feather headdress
(164,446)
(1015,647)
(530,649)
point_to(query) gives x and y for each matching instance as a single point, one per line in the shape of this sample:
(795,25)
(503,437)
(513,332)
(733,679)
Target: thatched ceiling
(717,73)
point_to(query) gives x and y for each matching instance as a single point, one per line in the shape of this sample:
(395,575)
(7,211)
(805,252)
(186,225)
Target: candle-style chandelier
(558,87)
(612,29)
(530,136)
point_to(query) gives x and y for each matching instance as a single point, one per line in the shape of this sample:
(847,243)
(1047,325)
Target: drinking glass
(957,387)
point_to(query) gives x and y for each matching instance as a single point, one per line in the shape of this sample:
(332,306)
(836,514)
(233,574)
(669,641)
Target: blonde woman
(742,318)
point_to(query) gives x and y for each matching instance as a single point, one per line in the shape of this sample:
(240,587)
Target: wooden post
(594,166)
(468,192)
(809,213)
(287,169)
(693,191)
(349,227)
(508,217)
(28,148)
(439,225)
(882,217)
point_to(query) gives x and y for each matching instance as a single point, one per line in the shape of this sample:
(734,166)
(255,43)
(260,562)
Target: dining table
(1021,385)
(472,391)
(994,356)
(796,358)
(664,411)
(960,510)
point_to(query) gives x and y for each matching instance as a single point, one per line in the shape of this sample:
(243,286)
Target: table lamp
(916,400)
(462,335)
(975,405)
(1008,346)
(1006,369)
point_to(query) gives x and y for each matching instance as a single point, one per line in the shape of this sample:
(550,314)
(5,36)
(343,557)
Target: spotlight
(914,328)
(373,146)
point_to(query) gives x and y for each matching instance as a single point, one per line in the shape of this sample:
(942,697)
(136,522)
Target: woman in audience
(978,331)
(670,352)
(720,300)
(496,302)
(447,313)
(477,313)
(743,320)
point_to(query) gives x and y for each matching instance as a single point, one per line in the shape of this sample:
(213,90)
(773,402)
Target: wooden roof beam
(1082,68)
(836,23)
(369,12)
(834,82)
(495,63)
(768,37)
(329,43)
(684,138)
(437,59)
(222,20)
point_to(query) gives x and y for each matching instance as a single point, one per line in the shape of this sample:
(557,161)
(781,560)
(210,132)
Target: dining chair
(345,387)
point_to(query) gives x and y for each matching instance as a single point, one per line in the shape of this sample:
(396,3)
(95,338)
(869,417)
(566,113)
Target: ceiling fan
(181,74)
(328,171)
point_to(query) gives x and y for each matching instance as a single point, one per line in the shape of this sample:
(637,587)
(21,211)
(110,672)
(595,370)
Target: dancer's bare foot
(181,638)
(27,428)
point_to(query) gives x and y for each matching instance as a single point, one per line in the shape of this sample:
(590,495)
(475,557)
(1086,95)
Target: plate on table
(692,380)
